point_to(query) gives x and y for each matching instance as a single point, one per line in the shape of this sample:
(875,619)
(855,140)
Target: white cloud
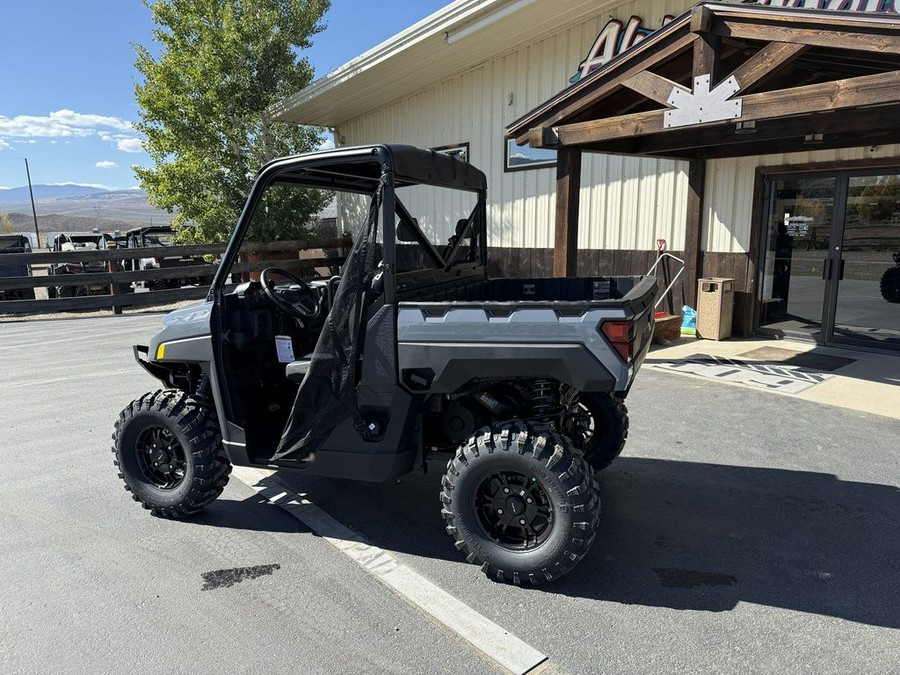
(327,144)
(129,145)
(67,124)
(62,123)
(106,164)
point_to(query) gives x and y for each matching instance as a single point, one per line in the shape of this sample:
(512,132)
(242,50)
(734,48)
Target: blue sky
(67,80)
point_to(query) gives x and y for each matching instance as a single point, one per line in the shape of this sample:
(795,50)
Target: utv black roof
(149,229)
(14,243)
(351,168)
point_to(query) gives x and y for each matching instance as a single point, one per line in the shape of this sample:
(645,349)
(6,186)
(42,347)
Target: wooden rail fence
(320,259)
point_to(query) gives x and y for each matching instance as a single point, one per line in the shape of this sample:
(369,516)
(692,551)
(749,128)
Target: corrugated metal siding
(728,203)
(627,203)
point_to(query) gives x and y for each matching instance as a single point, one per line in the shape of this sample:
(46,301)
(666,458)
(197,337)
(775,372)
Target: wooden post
(693,228)
(568,189)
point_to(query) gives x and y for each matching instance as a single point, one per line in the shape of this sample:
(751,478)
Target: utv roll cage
(360,170)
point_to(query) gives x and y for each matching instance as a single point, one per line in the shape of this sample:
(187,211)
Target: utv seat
(295,371)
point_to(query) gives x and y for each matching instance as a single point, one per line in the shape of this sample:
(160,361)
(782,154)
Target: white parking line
(494,641)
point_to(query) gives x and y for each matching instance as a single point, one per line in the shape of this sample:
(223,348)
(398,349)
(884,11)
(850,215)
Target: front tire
(521,502)
(169,452)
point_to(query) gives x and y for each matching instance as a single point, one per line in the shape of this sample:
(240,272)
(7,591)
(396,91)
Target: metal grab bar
(662,255)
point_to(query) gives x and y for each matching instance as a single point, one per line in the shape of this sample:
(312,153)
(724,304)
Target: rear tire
(169,452)
(890,284)
(486,493)
(603,439)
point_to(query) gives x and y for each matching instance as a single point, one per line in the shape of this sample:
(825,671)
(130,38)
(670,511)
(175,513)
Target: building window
(524,157)
(459,151)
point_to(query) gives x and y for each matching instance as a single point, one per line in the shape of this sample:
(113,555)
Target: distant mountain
(20,194)
(124,206)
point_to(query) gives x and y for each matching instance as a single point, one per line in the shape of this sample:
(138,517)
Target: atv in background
(156,236)
(76,243)
(15,243)
(890,281)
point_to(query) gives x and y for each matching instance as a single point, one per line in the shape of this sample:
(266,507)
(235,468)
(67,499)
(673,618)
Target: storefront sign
(616,37)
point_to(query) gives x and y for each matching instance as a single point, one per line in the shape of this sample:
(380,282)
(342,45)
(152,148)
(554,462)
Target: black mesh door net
(327,394)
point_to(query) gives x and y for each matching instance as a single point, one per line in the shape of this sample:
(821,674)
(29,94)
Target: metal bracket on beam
(703,105)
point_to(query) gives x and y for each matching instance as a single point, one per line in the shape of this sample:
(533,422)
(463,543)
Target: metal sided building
(800,205)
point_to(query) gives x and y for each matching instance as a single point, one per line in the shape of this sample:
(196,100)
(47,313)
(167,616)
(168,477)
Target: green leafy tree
(203,105)
(6,224)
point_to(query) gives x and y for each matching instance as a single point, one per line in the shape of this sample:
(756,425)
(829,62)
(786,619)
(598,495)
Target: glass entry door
(868,274)
(831,262)
(797,252)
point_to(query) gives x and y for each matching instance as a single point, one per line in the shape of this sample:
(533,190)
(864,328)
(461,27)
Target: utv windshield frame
(360,170)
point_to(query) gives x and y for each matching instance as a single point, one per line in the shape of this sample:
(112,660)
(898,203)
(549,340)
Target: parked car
(413,352)
(77,243)
(144,239)
(15,243)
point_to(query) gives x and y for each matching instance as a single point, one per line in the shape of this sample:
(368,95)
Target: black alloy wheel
(514,510)
(160,457)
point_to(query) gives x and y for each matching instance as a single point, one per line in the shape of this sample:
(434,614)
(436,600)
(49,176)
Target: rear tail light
(620,335)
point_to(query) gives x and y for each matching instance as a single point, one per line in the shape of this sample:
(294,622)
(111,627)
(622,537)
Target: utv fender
(442,368)
(185,350)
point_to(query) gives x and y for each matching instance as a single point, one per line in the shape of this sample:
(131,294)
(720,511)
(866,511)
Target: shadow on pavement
(252,513)
(686,535)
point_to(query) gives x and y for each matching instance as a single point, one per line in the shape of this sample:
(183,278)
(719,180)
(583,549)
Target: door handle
(841,274)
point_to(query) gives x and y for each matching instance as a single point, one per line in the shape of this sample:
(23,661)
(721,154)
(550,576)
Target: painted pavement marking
(491,639)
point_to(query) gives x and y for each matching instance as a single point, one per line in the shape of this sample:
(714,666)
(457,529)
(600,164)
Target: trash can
(715,308)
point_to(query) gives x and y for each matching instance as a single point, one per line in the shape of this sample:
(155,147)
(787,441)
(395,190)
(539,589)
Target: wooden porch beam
(706,55)
(655,87)
(693,228)
(817,37)
(568,190)
(635,65)
(766,61)
(856,92)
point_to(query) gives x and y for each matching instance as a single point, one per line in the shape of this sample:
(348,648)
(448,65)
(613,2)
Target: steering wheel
(302,303)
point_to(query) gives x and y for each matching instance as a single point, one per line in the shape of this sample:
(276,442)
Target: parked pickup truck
(412,353)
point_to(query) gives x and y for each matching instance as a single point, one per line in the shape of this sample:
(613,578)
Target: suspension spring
(543,398)
(202,388)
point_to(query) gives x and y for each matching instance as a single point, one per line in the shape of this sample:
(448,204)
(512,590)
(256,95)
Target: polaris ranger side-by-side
(74,243)
(144,240)
(411,352)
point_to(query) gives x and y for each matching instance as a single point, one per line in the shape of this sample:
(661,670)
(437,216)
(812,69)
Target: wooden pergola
(723,80)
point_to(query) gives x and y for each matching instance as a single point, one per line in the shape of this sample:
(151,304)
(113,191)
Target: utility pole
(37,234)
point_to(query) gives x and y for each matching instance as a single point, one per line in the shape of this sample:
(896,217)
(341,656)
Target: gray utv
(412,353)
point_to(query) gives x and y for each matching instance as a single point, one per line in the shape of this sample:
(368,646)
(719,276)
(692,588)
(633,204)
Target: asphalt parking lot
(742,532)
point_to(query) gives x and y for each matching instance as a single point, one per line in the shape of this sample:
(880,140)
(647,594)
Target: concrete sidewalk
(857,380)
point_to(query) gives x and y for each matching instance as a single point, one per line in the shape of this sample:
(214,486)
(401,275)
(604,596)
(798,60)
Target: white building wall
(627,202)
(728,202)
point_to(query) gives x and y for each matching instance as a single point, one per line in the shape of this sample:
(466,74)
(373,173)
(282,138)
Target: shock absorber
(202,388)
(543,398)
